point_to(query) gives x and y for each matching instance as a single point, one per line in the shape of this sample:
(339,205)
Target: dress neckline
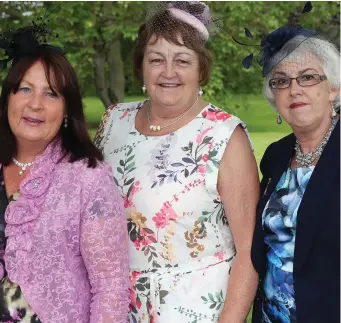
(139,106)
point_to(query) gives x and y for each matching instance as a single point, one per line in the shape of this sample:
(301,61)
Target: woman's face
(303,106)
(170,72)
(35,113)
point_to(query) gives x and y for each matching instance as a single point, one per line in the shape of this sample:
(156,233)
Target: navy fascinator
(272,43)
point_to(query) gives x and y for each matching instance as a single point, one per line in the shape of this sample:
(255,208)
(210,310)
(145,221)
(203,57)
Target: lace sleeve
(104,247)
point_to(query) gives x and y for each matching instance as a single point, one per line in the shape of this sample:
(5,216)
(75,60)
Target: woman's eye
(156,60)
(181,61)
(24,89)
(283,81)
(307,77)
(51,95)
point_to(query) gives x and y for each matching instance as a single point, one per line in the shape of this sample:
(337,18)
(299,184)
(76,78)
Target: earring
(279,118)
(144,88)
(65,121)
(201,92)
(333,113)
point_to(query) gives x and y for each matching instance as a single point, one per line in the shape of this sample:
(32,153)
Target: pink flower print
(222,115)
(202,135)
(215,115)
(136,188)
(137,244)
(163,217)
(153,317)
(148,237)
(126,112)
(202,170)
(127,202)
(134,300)
(210,115)
(128,199)
(205,158)
(219,255)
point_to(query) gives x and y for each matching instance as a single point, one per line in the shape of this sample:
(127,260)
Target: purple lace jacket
(67,243)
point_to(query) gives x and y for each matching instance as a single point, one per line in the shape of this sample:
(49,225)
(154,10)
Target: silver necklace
(23,166)
(307,160)
(158,128)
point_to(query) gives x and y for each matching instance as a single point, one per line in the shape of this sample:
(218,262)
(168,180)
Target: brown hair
(75,140)
(165,26)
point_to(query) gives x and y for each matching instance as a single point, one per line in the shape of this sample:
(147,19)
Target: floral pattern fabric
(279,223)
(181,247)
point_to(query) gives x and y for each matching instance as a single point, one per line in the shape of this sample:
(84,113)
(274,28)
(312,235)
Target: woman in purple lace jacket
(63,237)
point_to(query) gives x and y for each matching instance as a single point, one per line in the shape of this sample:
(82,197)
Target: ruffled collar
(21,215)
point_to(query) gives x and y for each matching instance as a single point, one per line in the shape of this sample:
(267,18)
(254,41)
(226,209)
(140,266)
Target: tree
(94,31)
(99,39)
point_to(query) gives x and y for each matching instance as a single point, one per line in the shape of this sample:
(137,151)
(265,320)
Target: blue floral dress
(279,224)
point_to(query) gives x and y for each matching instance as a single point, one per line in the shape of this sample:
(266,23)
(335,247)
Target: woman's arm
(104,247)
(238,186)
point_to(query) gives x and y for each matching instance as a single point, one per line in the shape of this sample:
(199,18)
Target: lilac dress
(66,242)
(13,306)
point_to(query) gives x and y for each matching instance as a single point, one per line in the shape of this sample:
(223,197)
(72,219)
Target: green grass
(259,117)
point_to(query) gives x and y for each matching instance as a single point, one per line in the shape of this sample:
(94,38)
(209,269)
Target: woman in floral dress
(186,171)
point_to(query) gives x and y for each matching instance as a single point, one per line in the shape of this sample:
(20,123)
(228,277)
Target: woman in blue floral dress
(296,244)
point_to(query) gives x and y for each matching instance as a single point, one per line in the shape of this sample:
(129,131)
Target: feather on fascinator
(24,42)
(272,44)
(194,13)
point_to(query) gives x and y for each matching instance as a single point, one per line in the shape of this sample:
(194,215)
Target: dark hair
(75,140)
(164,25)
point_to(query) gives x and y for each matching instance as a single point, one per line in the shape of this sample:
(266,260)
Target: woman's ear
(333,93)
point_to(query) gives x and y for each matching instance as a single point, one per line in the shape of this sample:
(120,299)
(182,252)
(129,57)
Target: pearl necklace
(22,165)
(307,160)
(158,128)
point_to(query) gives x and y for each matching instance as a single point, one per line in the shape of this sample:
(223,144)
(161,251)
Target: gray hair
(323,50)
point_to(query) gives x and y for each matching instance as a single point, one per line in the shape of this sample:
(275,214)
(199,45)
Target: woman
(63,239)
(189,181)
(296,244)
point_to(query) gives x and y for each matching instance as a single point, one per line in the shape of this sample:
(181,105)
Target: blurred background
(99,39)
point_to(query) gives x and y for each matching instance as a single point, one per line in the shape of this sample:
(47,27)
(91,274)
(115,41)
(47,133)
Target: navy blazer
(316,268)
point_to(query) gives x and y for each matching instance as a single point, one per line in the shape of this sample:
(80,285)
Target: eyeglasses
(302,80)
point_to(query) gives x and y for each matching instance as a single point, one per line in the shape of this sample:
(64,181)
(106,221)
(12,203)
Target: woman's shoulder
(217,116)
(79,171)
(276,151)
(123,107)
(81,167)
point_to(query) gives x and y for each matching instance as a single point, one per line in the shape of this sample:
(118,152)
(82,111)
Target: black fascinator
(25,41)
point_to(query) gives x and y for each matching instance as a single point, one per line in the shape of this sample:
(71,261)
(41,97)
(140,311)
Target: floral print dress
(13,306)
(181,246)
(279,223)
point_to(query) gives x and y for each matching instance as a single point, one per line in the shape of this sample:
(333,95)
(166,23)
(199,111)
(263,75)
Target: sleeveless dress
(13,306)
(279,223)
(181,247)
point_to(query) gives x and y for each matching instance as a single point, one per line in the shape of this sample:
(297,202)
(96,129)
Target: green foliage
(83,25)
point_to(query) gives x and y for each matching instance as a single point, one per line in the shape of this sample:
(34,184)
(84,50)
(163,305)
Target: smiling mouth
(169,85)
(297,105)
(33,120)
